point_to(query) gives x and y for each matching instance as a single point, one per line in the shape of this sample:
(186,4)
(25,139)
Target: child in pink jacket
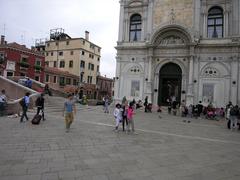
(130,114)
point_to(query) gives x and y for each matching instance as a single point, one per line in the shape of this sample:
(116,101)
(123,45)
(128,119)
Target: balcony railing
(24,64)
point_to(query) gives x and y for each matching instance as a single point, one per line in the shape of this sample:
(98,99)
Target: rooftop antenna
(4,29)
(23,37)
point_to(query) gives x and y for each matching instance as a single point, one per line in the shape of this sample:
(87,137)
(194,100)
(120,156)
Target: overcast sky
(27,20)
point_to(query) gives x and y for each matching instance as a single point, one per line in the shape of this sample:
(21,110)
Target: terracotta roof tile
(22,47)
(59,72)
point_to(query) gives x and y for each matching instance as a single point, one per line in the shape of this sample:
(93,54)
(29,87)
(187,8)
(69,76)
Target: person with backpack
(25,101)
(40,105)
(234,113)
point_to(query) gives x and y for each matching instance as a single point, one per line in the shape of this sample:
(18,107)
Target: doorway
(170,84)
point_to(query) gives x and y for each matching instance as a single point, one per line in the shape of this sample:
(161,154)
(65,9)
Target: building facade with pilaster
(188,49)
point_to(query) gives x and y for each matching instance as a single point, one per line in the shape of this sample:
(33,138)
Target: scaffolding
(58,34)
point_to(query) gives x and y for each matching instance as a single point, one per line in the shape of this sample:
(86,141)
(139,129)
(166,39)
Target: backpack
(22,102)
(234,111)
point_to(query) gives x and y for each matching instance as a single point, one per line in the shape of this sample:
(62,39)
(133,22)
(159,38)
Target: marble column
(190,82)
(121,22)
(117,80)
(234,79)
(149,19)
(205,35)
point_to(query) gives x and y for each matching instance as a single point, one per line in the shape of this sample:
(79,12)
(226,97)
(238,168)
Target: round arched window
(215,22)
(135,27)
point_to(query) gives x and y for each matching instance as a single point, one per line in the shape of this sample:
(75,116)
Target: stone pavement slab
(164,148)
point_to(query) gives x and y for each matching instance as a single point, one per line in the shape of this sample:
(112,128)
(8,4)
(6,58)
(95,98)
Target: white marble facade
(209,65)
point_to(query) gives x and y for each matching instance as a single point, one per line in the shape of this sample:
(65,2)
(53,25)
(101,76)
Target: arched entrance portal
(170,83)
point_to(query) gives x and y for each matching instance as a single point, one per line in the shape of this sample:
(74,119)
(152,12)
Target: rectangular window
(62,64)
(97,68)
(67,42)
(81,77)
(1,56)
(89,66)
(62,81)
(46,53)
(10,74)
(54,79)
(71,64)
(24,59)
(38,62)
(74,82)
(60,53)
(90,55)
(68,81)
(92,67)
(98,58)
(71,52)
(83,53)
(82,64)
(135,88)
(89,79)
(51,53)
(208,93)
(47,78)
(56,43)
(91,46)
(37,78)
(54,63)
(83,42)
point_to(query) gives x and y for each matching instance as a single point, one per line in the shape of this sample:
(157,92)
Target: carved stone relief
(172,40)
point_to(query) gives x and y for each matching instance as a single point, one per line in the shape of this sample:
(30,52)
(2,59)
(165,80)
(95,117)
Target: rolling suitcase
(229,124)
(36,119)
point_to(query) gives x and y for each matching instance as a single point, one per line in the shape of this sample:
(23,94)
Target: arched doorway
(170,83)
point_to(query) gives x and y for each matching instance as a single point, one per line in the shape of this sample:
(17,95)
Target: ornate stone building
(189,49)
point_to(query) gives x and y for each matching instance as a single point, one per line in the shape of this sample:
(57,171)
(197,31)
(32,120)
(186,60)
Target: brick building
(104,87)
(60,80)
(18,60)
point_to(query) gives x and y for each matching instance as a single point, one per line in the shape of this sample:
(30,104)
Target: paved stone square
(164,148)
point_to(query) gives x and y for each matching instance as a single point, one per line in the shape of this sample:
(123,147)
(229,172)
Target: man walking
(25,104)
(69,109)
(40,105)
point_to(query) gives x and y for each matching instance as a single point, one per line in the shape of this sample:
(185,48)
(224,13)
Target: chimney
(2,39)
(87,35)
